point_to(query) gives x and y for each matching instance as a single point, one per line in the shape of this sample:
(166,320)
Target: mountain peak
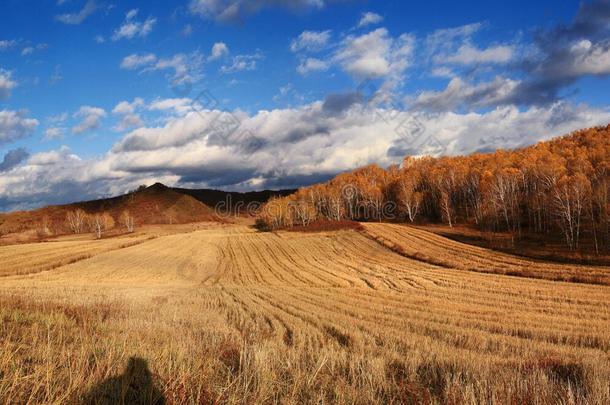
(157,187)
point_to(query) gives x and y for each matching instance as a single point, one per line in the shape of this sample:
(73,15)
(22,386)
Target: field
(223,313)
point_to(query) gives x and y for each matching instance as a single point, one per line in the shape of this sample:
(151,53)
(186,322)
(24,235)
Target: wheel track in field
(306,290)
(431,248)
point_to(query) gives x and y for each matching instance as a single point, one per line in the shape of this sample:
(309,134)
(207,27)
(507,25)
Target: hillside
(230,200)
(556,191)
(156,204)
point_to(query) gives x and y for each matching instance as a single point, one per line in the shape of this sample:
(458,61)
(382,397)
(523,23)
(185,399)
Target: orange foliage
(562,185)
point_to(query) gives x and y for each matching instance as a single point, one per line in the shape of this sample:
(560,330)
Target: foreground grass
(296,319)
(61,352)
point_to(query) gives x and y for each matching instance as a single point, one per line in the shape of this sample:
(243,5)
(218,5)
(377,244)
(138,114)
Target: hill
(232,201)
(156,204)
(555,192)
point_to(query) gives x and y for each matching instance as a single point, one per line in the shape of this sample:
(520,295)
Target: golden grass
(428,247)
(234,316)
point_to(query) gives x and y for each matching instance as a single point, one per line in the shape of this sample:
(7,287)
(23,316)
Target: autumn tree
(571,196)
(128,221)
(76,220)
(100,223)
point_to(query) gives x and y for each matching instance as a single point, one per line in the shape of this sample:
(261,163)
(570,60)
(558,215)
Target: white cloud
(377,55)
(442,71)
(91,118)
(29,50)
(54,133)
(179,106)
(7,44)
(446,37)
(15,125)
(369,18)
(99,39)
(242,63)
(132,28)
(135,61)
(77,18)
(186,68)
(312,65)
(219,49)
(235,10)
(58,119)
(587,58)
(468,54)
(279,148)
(7,84)
(131,14)
(127,112)
(460,94)
(310,41)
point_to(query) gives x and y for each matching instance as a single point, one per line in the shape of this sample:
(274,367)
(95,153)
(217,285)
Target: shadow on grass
(134,386)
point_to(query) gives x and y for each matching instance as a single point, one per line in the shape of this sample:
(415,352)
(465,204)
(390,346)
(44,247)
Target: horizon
(97,98)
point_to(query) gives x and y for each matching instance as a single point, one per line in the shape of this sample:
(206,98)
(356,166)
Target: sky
(99,96)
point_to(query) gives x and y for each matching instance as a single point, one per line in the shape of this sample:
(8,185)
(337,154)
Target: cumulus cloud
(312,65)
(369,18)
(15,125)
(468,54)
(219,49)
(7,84)
(131,28)
(90,117)
(178,106)
(462,95)
(186,68)
(128,114)
(77,18)
(13,158)
(286,147)
(54,133)
(375,54)
(568,52)
(135,61)
(310,41)
(236,10)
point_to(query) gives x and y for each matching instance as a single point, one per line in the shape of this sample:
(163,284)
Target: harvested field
(235,316)
(37,257)
(431,248)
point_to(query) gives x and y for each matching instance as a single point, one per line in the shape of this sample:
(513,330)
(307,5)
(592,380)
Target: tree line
(559,186)
(78,221)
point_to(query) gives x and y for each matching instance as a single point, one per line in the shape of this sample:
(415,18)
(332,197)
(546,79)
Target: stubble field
(227,314)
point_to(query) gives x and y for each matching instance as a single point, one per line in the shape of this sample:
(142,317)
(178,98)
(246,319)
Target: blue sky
(98,96)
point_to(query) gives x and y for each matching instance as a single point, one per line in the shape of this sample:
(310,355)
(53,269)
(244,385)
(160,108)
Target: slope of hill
(557,190)
(232,201)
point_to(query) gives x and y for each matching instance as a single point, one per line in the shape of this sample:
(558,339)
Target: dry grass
(234,316)
(428,247)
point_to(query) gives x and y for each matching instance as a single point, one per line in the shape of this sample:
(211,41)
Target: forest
(561,186)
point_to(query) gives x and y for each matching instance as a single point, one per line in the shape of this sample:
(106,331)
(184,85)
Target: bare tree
(76,220)
(408,197)
(128,221)
(45,227)
(100,223)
